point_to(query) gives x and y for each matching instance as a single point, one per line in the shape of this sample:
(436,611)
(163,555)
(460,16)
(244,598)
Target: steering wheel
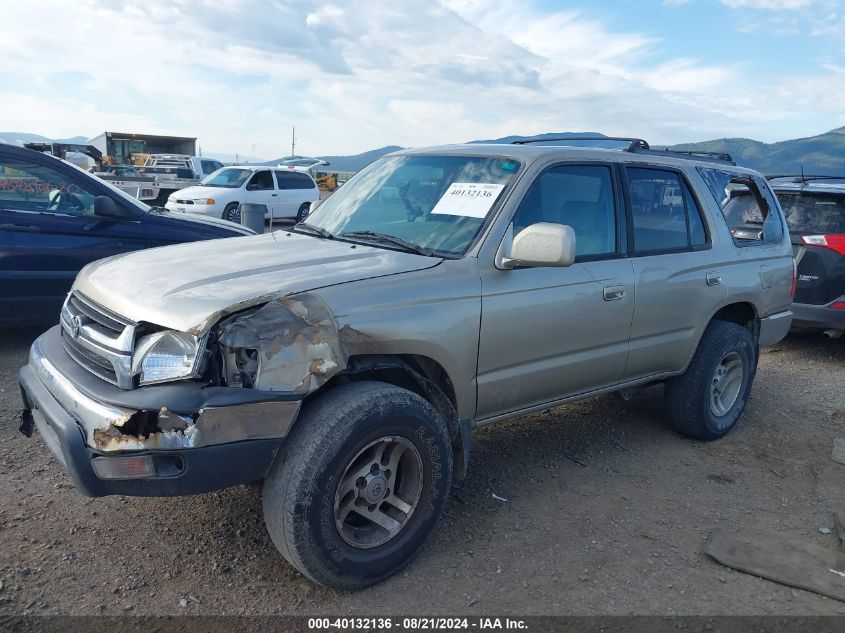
(63,201)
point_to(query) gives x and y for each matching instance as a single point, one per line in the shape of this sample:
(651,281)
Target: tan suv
(345,361)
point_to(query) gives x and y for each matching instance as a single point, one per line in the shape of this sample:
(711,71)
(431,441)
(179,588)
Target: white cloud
(352,76)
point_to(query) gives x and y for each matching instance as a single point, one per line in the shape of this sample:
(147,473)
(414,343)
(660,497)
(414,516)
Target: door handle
(614,292)
(20,228)
(274,194)
(714,279)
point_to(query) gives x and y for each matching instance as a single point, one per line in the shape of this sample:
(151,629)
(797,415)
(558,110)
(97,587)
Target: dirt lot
(621,534)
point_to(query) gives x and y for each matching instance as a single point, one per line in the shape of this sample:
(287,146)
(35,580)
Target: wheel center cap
(376,488)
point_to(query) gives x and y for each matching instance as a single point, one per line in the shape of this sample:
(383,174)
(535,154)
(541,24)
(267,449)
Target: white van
(286,193)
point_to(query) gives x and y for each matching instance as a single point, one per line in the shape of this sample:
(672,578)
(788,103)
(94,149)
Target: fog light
(140,467)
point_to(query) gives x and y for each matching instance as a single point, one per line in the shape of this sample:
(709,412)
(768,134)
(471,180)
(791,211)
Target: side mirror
(106,207)
(313,207)
(542,244)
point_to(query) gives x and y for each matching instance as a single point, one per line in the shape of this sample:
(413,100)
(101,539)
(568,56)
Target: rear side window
(579,196)
(293,180)
(748,206)
(664,213)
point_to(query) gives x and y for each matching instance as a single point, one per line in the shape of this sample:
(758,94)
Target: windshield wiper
(372,236)
(310,229)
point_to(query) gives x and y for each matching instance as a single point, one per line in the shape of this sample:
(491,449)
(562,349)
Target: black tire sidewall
(342,559)
(719,426)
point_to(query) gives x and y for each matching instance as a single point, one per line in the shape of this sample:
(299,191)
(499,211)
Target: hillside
(823,154)
(19,138)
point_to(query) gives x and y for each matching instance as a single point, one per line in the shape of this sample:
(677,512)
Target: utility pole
(293,142)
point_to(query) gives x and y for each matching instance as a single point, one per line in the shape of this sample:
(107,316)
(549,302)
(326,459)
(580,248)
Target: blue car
(55,218)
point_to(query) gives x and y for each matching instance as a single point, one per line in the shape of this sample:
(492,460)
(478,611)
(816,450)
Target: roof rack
(802,178)
(633,143)
(637,146)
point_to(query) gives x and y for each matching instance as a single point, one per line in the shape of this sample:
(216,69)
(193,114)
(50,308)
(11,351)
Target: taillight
(833,242)
(794,277)
(838,305)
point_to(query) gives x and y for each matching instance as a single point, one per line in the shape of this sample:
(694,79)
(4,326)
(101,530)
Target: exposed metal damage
(290,344)
(165,430)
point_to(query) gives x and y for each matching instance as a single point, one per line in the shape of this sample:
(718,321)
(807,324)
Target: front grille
(99,340)
(94,363)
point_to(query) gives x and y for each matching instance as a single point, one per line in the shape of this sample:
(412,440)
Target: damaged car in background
(345,361)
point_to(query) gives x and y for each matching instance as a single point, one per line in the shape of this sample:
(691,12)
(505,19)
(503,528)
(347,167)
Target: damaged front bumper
(193,439)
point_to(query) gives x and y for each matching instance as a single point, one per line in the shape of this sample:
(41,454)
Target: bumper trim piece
(199,469)
(774,327)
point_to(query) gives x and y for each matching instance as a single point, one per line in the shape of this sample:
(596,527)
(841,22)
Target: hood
(188,287)
(201,192)
(203,220)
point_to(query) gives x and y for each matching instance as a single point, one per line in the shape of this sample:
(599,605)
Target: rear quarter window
(748,206)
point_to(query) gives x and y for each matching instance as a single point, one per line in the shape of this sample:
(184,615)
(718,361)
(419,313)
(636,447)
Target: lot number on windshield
(468,199)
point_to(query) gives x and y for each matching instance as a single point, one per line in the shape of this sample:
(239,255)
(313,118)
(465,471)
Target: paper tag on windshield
(468,199)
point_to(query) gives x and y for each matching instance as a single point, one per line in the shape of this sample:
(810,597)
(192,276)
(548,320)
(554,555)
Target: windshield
(813,213)
(436,203)
(229,177)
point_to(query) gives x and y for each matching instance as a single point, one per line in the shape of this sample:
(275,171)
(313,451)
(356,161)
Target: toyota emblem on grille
(75,324)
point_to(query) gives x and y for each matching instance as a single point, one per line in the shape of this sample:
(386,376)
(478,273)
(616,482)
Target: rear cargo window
(809,213)
(748,206)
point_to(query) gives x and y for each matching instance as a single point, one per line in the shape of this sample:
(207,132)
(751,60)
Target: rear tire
(302,211)
(706,401)
(358,484)
(232,212)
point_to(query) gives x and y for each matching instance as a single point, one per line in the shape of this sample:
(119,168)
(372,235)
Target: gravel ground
(607,512)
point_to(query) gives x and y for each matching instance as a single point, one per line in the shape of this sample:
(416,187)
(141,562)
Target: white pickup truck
(177,171)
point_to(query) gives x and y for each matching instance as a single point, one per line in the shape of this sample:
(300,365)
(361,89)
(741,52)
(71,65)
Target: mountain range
(823,154)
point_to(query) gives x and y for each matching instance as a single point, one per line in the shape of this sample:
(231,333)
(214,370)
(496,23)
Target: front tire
(706,401)
(232,212)
(358,484)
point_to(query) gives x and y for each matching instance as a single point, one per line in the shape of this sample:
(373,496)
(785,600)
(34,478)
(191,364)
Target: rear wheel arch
(742,313)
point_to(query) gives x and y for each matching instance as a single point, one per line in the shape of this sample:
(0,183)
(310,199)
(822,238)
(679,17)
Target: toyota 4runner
(344,362)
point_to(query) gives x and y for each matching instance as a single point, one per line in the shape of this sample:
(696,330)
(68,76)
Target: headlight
(165,356)
(203,200)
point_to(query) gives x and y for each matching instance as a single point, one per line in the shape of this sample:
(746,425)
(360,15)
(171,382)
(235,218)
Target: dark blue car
(55,218)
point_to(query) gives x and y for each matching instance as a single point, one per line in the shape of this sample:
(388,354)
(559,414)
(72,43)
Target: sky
(353,76)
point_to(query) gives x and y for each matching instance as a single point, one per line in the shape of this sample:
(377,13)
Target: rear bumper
(225,446)
(818,317)
(775,327)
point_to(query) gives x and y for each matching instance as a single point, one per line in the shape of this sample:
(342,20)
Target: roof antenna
(803,180)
